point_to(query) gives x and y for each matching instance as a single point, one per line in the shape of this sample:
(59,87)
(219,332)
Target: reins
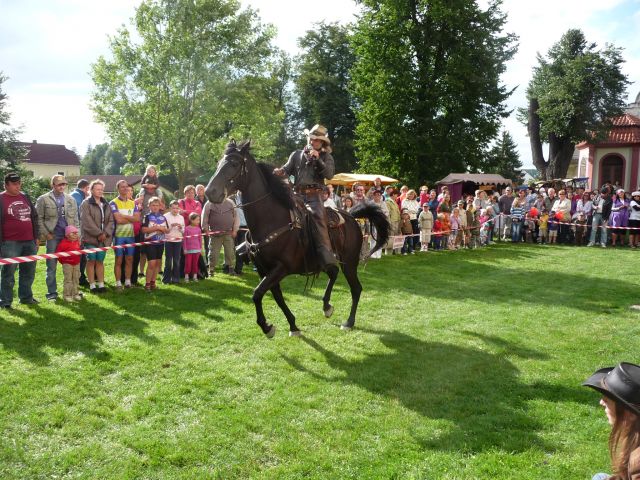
(254,247)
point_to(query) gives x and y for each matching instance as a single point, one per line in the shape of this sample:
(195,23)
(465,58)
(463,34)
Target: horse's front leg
(276,291)
(270,280)
(327,308)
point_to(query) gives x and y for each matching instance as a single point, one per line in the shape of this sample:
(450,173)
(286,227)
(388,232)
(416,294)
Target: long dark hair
(624,439)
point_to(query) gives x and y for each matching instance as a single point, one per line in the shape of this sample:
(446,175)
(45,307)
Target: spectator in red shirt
(18,238)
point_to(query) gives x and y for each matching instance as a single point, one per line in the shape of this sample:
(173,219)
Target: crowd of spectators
(420,221)
(62,222)
(427,220)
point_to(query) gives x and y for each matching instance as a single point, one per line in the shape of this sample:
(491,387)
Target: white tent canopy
(364,178)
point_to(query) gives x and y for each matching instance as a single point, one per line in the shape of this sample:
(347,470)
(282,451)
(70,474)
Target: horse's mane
(279,189)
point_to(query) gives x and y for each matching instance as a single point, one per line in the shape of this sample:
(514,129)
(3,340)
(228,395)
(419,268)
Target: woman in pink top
(189,204)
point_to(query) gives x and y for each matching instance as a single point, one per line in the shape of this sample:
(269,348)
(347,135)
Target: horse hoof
(271,332)
(329,311)
(346,327)
(295,333)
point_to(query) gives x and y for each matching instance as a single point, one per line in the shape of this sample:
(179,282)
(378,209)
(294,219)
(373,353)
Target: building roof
(479,178)
(109,180)
(531,171)
(48,153)
(626,120)
(625,130)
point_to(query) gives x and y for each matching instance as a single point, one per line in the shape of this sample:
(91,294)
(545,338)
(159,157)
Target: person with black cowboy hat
(310,167)
(620,389)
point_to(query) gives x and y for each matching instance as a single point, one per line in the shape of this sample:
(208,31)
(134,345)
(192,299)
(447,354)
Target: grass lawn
(463,365)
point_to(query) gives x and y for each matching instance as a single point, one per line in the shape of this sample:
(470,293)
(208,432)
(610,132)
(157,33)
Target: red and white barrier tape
(537,220)
(49,256)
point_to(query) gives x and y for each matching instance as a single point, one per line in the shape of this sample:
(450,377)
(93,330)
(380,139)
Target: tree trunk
(560,153)
(533,128)
(560,148)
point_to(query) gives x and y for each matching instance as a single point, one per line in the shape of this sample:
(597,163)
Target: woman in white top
(562,208)
(584,205)
(412,206)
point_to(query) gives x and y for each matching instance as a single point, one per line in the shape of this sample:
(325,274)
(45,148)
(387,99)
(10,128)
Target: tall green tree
(12,153)
(321,84)
(282,92)
(93,161)
(503,159)
(105,160)
(427,83)
(573,95)
(193,74)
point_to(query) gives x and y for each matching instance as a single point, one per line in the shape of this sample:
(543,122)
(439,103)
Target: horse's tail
(378,220)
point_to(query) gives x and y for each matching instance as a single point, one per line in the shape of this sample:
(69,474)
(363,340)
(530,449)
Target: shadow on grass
(478,392)
(202,298)
(472,274)
(128,313)
(42,329)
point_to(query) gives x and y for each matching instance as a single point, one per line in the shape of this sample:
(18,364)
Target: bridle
(242,171)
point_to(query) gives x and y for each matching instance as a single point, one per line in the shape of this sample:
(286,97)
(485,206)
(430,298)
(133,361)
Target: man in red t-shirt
(18,238)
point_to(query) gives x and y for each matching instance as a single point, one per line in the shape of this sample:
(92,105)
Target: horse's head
(231,173)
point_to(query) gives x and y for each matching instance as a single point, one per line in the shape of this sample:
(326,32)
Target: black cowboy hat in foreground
(620,383)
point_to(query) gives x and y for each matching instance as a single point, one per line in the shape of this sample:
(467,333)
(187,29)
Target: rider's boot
(327,260)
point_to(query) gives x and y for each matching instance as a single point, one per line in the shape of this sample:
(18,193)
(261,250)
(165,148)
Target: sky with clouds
(47,47)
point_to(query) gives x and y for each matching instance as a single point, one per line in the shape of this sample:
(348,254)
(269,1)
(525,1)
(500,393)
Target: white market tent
(364,178)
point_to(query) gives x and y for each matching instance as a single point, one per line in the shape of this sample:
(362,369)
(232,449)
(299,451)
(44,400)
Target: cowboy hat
(318,132)
(621,383)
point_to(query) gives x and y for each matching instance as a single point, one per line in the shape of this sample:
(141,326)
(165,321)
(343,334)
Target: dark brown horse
(279,247)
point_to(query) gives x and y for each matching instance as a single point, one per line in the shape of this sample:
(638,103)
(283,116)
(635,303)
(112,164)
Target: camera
(307,153)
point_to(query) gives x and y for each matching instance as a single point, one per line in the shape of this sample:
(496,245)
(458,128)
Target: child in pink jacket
(192,245)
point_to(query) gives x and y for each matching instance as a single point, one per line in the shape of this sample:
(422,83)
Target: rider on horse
(309,168)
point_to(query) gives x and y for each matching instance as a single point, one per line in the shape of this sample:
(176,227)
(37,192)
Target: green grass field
(463,365)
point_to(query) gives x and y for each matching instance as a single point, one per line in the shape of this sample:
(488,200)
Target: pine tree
(504,160)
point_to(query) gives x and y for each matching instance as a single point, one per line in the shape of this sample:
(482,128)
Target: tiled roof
(626,129)
(109,180)
(626,120)
(624,135)
(48,153)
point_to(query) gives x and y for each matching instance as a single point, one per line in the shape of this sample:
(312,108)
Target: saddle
(301,219)
(303,213)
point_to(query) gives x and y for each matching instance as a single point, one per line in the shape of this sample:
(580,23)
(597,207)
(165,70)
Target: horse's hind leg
(350,271)
(276,291)
(326,306)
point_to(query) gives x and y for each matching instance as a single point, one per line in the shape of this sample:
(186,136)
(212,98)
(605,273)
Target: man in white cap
(310,167)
